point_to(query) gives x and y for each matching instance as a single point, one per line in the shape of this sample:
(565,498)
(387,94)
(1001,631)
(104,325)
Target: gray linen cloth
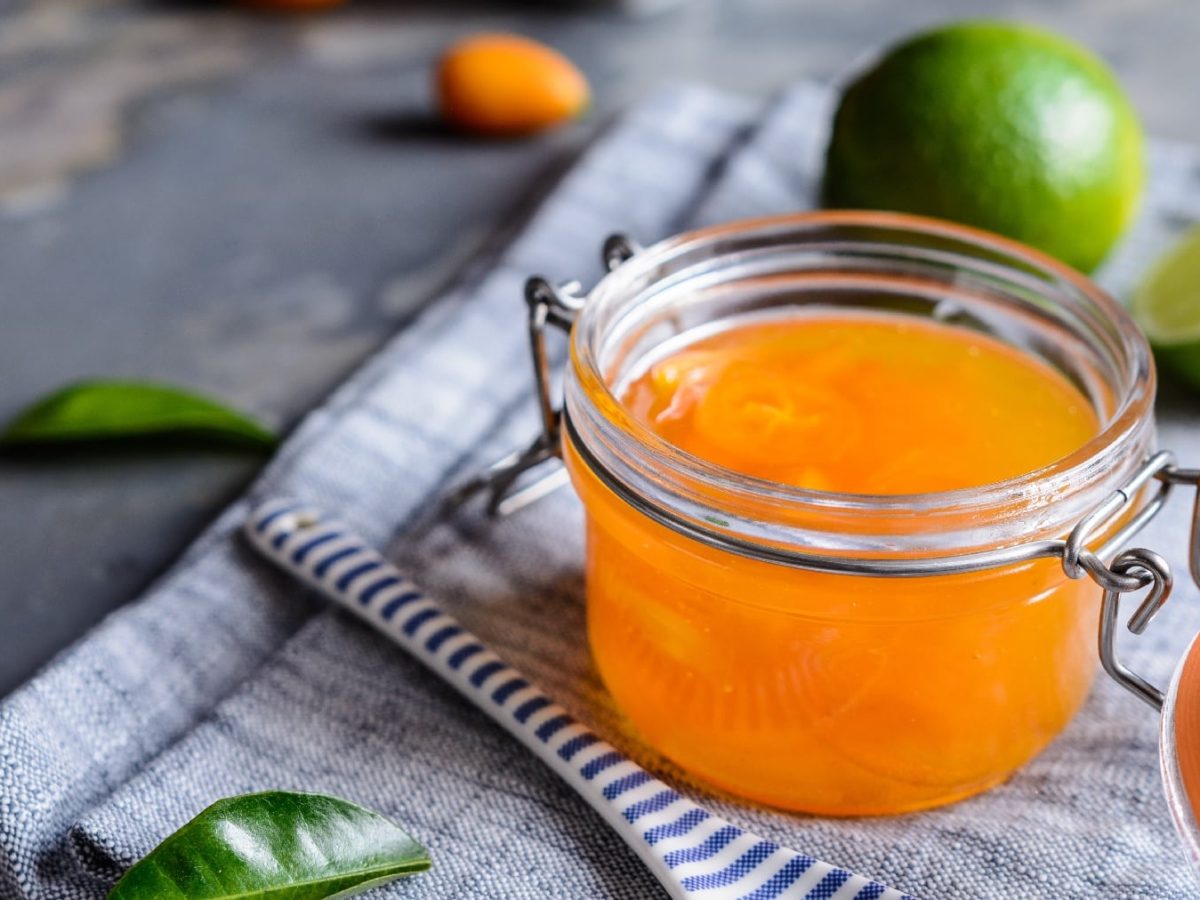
(226,678)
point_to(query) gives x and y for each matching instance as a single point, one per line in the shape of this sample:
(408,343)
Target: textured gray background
(251,205)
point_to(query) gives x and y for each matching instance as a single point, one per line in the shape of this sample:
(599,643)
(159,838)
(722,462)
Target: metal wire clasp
(550,305)
(1134,569)
(1149,570)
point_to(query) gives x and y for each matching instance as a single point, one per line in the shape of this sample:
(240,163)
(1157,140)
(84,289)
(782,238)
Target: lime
(1167,307)
(1001,126)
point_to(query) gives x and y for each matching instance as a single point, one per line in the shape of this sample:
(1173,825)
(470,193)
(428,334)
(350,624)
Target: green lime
(1001,126)
(1167,307)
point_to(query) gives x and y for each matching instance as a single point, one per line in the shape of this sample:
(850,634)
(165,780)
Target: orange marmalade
(828,463)
(819,692)
(863,403)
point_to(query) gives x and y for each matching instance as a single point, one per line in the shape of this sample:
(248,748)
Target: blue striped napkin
(224,678)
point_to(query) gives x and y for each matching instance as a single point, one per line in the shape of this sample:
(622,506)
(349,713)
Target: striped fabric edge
(692,852)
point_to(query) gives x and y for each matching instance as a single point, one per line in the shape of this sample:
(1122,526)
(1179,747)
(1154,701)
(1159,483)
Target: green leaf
(279,845)
(112,411)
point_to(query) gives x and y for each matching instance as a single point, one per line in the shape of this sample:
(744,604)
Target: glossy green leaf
(276,845)
(112,411)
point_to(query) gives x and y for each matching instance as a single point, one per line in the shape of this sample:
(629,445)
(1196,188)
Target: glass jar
(833,653)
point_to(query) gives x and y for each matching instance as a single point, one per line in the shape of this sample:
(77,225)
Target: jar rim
(1129,419)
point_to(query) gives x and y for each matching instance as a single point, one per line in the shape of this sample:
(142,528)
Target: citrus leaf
(112,411)
(278,845)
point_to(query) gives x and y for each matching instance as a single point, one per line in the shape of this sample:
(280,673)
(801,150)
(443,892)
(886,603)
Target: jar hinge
(1134,569)
(555,305)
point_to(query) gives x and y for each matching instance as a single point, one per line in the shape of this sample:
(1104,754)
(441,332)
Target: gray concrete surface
(251,204)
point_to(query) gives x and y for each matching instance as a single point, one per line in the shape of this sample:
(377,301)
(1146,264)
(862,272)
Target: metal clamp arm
(1152,570)
(554,305)
(1133,570)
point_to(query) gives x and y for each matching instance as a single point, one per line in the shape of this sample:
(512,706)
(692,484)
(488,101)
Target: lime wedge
(1167,307)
